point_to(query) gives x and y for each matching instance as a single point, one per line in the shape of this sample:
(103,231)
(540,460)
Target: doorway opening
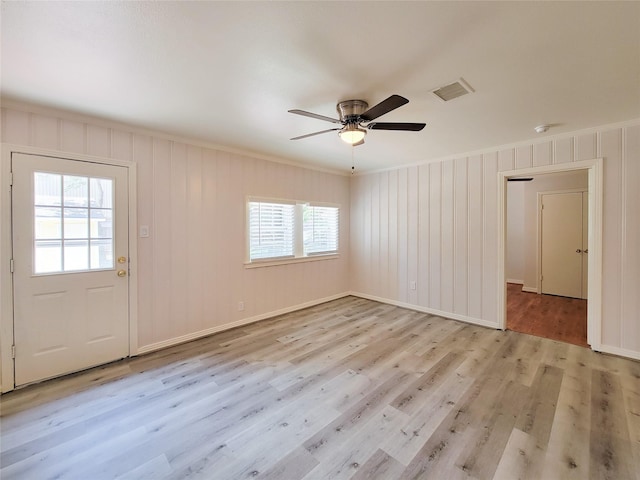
(554,314)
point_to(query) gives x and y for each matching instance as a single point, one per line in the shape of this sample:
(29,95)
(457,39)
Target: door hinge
(11,265)
(13,351)
(11,179)
(540,277)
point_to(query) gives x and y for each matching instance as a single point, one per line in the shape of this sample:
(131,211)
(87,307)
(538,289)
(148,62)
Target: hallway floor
(548,316)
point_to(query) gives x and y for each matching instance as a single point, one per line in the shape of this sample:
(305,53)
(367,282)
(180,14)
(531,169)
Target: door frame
(596,195)
(539,226)
(7,371)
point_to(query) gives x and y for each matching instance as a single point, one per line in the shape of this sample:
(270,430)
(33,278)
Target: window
(270,230)
(290,230)
(320,229)
(73,228)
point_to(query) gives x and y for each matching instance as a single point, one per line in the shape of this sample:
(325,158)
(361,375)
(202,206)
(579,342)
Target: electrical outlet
(412,285)
(240,306)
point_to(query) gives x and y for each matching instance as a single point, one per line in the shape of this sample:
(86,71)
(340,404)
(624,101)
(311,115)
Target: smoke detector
(542,128)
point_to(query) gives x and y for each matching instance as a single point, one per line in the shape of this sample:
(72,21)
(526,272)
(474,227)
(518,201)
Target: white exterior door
(71,265)
(563,244)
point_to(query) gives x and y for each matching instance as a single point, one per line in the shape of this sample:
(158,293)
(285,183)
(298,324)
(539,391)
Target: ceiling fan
(356,118)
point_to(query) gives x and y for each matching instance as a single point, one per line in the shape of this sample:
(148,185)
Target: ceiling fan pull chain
(353,167)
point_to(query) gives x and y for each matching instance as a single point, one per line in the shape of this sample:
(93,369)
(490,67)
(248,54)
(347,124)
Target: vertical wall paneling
(393,234)
(585,147)
(542,153)
(179,243)
(16,127)
(195,241)
(506,160)
(160,324)
(461,230)
(475,216)
(376,234)
(73,137)
(611,147)
(403,223)
(563,150)
(143,156)
(44,131)
(435,234)
(383,253)
(366,228)
(631,241)
(447,236)
(98,141)
(412,234)
(490,243)
(121,145)
(423,236)
(524,156)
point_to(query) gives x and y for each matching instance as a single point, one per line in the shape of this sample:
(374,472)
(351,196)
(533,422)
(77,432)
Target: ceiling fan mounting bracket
(350,110)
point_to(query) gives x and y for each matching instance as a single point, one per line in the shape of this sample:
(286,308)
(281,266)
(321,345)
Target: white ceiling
(227,72)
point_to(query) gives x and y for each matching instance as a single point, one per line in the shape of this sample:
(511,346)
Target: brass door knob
(122,273)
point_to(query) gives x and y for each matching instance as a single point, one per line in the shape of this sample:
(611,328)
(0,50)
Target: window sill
(287,261)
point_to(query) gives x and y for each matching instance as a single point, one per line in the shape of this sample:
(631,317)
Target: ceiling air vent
(453,90)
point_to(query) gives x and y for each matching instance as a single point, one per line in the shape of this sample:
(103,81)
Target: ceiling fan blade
(315,133)
(316,116)
(385,106)
(409,127)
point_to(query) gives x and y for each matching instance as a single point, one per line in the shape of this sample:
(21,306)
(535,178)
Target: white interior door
(562,244)
(70,250)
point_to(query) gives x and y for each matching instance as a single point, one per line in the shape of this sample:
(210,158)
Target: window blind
(320,229)
(271,230)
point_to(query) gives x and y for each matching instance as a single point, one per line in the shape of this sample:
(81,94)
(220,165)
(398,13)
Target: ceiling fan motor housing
(350,110)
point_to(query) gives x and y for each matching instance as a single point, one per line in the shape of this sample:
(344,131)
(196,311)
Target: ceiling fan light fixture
(352,134)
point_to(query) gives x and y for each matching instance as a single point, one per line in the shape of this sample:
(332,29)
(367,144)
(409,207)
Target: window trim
(298,239)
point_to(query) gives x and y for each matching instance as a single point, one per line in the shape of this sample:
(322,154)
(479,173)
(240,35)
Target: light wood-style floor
(347,389)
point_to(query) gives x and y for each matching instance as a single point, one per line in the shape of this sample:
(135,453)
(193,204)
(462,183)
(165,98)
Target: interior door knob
(578,251)
(122,273)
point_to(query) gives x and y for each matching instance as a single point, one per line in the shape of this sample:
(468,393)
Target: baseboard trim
(618,351)
(431,311)
(529,289)
(238,323)
(513,280)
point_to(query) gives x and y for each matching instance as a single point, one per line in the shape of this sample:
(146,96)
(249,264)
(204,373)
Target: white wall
(515,232)
(191,271)
(542,183)
(436,224)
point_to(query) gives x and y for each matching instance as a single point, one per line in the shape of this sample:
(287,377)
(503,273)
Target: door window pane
(101,193)
(76,191)
(101,223)
(76,255)
(48,256)
(101,253)
(48,224)
(69,211)
(76,223)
